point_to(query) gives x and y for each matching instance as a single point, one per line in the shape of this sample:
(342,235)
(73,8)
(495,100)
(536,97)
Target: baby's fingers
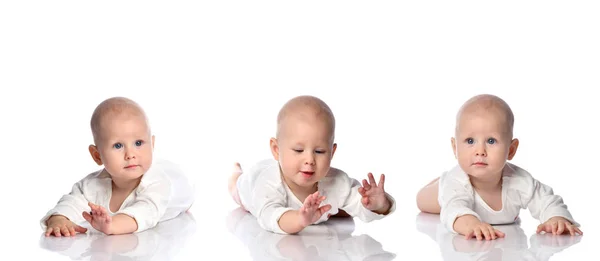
(72,231)
(57,231)
(366,185)
(571,229)
(554,228)
(65,231)
(499,233)
(322,210)
(87,217)
(381,181)
(486,233)
(491,229)
(372,179)
(561,228)
(49,231)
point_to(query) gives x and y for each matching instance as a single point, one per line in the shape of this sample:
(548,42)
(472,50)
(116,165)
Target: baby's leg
(427,198)
(232,184)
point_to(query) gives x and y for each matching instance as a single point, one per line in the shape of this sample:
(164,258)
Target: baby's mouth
(308,173)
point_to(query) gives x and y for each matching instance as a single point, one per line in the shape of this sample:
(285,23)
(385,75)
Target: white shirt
(519,191)
(263,193)
(163,193)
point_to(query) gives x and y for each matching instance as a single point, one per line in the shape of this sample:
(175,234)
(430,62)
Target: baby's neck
(490,184)
(125,186)
(302,192)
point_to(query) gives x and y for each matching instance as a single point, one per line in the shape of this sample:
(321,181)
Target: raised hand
(99,218)
(373,195)
(310,212)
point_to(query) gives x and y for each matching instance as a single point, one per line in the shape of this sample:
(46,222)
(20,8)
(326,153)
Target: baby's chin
(482,173)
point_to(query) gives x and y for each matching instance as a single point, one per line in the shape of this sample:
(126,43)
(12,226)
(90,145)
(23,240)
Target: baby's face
(305,151)
(482,143)
(125,146)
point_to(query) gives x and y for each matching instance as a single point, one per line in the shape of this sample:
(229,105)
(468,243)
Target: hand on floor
(558,226)
(61,226)
(99,218)
(310,212)
(373,195)
(482,231)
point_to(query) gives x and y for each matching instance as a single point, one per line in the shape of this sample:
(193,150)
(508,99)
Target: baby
(133,192)
(484,189)
(299,188)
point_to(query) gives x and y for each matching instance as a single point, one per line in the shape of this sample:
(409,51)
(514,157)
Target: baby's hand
(373,195)
(310,212)
(99,219)
(558,226)
(61,226)
(481,230)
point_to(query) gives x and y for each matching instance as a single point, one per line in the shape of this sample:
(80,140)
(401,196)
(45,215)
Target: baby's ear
(512,150)
(274,148)
(453,141)
(95,154)
(333,149)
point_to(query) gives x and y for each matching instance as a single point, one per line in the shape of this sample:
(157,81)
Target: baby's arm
(64,217)
(149,206)
(550,209)
(456,214)
(294,221)
(103,222)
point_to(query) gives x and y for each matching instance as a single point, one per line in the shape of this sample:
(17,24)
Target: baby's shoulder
(515,177)
(337,178)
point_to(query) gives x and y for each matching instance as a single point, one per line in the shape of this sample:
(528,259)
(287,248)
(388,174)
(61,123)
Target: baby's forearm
(290,222)
(463,223)
(122,224)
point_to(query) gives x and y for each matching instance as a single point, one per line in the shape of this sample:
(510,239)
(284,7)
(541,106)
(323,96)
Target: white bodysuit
(164,192)
(263,193)
(519,191)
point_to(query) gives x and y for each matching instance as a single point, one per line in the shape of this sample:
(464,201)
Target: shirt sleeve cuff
(453,215)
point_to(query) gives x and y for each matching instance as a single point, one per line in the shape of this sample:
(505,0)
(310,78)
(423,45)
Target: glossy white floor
(237,236)
(216,228)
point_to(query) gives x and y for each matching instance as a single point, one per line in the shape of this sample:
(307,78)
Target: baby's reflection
(159,243)
(512,247)
(332,240)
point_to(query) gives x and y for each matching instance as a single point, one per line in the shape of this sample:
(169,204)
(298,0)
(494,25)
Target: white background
(212,76)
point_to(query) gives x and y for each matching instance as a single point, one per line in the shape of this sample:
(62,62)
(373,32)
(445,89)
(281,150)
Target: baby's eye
(470,141)
(320,151)
(139,143)
(118,145)
(491,141)
(299,150)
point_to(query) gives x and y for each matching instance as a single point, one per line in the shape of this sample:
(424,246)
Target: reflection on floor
(332,240)
(513,247)
(153,244)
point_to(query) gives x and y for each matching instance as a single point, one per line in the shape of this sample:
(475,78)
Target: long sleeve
(455,199)
(71,205)
(353,205)
(544,204)
(271,205)
(151,201)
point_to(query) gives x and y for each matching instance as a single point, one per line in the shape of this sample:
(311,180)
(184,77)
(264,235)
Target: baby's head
(123,142)
(483,140)
(304,144)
